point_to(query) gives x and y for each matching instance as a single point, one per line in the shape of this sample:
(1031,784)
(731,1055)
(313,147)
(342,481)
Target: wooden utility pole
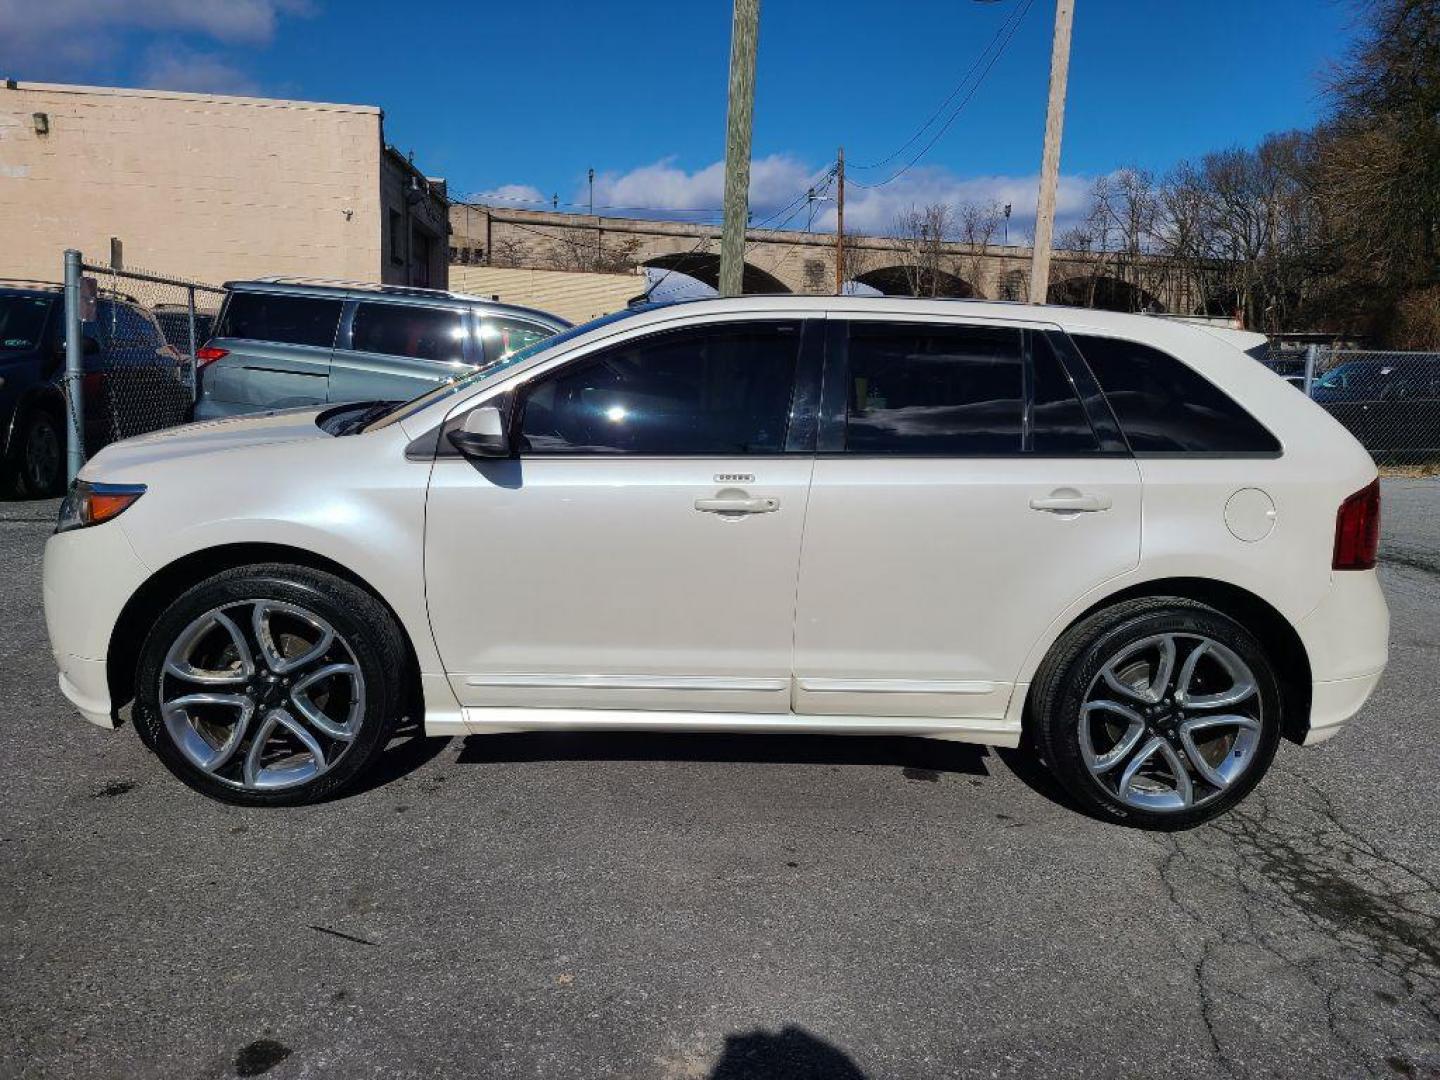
(840,222)
(744,34)
(1050,166)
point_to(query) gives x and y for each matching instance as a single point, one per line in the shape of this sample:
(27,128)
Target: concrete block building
(212,187)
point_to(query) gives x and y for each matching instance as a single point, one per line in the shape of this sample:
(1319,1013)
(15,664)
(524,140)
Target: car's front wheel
(40,462)
(270,684)
(1163,713)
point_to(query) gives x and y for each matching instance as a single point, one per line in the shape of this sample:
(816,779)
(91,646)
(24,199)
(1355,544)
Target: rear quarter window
(1165,406)
(289,320)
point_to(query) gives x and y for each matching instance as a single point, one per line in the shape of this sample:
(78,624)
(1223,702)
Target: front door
(642,550)
(962,498)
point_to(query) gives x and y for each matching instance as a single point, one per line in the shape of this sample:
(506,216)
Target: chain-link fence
(140,332)
(1390,401)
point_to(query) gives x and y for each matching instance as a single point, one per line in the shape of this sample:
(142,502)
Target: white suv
(1116,539)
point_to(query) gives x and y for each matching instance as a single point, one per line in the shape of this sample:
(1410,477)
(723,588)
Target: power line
(974,64)
(1013,26)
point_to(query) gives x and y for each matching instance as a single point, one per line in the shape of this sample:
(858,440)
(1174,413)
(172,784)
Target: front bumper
(89,575)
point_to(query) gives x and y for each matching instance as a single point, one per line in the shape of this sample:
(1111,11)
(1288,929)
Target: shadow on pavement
(920,756)
(793,1054)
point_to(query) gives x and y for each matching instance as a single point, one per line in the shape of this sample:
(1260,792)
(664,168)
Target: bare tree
(922,233)
(979,224)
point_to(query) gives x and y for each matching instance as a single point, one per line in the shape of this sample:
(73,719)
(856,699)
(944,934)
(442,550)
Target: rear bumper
(1347,638)
(1336,700)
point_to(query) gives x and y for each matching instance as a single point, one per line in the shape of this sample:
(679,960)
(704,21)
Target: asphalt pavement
(695,907)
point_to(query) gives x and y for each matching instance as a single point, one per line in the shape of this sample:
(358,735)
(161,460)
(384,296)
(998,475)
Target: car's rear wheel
(270,684)
(1162,713)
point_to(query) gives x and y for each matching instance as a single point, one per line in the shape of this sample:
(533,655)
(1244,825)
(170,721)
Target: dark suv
(284,342)
(134,382)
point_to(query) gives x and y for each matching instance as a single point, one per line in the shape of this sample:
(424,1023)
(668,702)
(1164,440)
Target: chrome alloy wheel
(262,695)
(1170,722)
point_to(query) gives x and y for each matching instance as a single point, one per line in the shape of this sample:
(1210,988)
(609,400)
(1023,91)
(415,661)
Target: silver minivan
(284,342)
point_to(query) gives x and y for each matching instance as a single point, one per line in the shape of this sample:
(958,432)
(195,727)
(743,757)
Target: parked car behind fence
(285,342)
(1390,401)
(134,381)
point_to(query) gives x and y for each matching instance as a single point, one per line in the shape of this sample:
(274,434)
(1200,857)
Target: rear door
(391,349)
(962,498)
(278,351)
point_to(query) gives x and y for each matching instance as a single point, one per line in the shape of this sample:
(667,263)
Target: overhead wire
(1008,30)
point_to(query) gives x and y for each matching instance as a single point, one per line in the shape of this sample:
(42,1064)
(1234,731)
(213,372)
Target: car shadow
(917,758)
(920,756)
(791,1054)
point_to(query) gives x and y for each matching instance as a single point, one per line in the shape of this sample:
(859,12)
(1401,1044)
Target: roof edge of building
(181,95)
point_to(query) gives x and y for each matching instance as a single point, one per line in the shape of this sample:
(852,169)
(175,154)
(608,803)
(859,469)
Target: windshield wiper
(371,411)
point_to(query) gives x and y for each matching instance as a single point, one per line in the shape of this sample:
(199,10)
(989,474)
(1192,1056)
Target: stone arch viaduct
(796,262)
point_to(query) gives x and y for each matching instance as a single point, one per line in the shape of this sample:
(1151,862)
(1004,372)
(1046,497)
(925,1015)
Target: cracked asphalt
(684,907)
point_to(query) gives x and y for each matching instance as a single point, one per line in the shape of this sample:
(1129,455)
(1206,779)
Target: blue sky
(521,99)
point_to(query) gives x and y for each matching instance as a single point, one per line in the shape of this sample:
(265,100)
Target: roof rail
(31,281)
(100,290)
(367,286)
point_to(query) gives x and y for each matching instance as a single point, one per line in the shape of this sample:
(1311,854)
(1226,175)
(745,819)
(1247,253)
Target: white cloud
(42,39)
(778,183)
(522,195)
(775,181)
(179,68)
(874,210)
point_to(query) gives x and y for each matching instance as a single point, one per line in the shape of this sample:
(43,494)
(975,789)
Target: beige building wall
(575,296)
(198,185)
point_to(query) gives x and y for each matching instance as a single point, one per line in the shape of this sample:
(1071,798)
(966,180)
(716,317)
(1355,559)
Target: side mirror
(88,347)
(483,434)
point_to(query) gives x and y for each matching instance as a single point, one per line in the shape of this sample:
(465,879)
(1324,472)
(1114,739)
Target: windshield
(470,378)
(1353,375)
(22,321)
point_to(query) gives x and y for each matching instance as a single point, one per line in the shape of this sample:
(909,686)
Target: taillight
(1357,530)
(208,354)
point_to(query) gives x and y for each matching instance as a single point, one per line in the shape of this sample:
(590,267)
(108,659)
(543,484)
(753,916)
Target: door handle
(737,506)
(1072,502)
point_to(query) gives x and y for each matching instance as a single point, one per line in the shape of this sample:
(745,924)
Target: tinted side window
(721,389)
(1058,424)
(120,326)
(291,320)
(503,336)
(407,330)
(1163,405)
(916,389)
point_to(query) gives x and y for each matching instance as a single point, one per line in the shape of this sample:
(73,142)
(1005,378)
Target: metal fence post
(193,370)
(74,368)
(1310,351)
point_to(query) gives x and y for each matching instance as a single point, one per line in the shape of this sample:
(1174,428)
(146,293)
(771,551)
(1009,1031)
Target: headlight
(90,504)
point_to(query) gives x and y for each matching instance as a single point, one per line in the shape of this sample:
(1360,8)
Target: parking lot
(698,907)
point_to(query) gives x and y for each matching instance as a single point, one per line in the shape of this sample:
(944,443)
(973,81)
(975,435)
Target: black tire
(1075,663)
(362,625)
(39,469)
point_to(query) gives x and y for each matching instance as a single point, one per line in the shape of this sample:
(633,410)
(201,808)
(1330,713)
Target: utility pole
(840,222)
(1050,166)
(744,33)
